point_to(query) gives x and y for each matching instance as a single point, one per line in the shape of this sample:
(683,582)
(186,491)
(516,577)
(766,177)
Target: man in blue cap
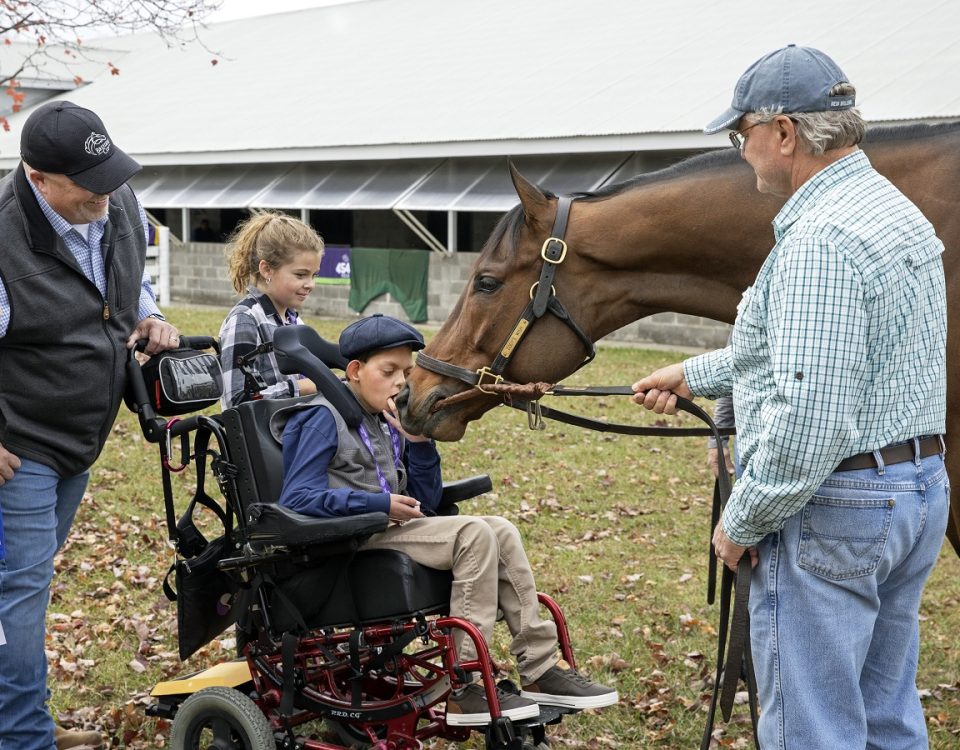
(837,367)
(331,469)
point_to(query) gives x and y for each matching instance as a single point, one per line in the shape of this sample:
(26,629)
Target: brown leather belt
(892,454)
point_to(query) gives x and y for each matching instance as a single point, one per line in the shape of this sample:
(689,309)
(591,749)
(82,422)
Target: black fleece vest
(63,356)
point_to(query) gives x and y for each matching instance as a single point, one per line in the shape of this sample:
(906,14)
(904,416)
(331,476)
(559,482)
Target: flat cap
(378,332)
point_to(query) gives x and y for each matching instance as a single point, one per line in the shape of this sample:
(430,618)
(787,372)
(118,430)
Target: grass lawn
(616,529)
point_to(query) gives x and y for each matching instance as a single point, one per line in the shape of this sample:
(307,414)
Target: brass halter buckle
(486,372)
(546,247)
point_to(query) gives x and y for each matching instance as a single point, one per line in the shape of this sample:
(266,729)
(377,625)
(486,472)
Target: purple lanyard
(395,440)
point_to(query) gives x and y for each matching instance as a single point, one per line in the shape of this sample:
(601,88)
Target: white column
(452,231)
(163,263)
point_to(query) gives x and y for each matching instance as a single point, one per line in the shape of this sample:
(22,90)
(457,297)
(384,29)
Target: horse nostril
(401,398)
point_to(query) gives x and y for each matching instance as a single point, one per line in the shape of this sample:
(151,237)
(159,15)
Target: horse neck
(689,244)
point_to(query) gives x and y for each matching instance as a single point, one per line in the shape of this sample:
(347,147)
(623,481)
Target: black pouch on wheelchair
(180,381)
(208,600)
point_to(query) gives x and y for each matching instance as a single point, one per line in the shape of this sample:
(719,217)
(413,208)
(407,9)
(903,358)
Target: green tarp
(402,273)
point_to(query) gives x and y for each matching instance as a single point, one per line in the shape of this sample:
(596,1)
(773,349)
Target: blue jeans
(38,508)
(834,611)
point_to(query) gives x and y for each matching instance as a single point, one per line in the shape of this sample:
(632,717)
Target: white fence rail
(158,264)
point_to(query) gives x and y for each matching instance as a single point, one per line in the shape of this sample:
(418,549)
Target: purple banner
(335,265)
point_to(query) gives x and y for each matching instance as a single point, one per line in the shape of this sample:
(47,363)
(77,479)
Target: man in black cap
(73,298)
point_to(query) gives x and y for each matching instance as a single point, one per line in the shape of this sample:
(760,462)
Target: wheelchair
(338,647)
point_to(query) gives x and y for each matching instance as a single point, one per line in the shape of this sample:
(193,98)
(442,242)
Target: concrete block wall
(198,274)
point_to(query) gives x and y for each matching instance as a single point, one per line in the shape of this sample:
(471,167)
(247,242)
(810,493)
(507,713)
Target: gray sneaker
(561,685)
(469,708)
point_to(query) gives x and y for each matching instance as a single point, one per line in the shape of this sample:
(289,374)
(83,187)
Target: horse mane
(724,157)
(512,222)
(910,132)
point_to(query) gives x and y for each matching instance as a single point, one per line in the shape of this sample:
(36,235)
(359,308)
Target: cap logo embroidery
(97,144)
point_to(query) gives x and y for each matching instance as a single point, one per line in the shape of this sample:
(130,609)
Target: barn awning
(320,185)
(456,184)
(483,184)
(216,186)
(359,185)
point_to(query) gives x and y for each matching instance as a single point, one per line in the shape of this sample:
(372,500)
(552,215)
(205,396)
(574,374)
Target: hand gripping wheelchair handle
(154,428)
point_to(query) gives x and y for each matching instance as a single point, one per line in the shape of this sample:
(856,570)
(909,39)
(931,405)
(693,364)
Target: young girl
(272,258)
(331,469)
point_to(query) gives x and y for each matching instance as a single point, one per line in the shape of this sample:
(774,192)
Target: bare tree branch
(44,32)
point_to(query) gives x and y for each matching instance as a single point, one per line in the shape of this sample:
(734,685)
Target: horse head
(487,322)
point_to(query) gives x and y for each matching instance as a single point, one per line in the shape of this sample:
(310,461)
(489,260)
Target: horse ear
(532,199)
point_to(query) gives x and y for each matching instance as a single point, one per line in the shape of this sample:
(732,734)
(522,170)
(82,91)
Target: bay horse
(689,239)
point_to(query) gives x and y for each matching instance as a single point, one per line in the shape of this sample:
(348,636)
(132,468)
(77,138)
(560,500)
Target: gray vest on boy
(353,465)
(62,359)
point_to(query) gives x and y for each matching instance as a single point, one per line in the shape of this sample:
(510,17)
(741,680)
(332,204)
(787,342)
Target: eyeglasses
(737,137)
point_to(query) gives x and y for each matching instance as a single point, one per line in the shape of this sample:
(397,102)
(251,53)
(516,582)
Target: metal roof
(483,184)
(389,79)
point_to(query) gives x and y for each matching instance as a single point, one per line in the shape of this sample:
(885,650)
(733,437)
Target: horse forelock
(505,235)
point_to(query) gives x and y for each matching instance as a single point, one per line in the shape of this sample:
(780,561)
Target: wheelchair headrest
(300,349)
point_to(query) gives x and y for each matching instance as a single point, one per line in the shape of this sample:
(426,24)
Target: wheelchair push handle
(154,428)
(301,350)
(186,342)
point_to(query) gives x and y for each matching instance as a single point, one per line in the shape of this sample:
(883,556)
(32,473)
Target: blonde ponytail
(269,236)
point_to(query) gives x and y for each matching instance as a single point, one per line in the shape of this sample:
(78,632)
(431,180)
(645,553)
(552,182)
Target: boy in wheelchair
(331,470)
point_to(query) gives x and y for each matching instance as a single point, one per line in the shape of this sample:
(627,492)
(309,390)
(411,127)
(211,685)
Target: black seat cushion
(385,585)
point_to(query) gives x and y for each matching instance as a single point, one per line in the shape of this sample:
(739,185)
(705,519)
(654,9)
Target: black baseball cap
(64,138)
(376,333)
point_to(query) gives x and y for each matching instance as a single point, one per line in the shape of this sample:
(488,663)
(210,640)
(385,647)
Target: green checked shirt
(838,347)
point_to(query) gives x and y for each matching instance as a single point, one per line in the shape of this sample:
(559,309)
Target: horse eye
(486,284)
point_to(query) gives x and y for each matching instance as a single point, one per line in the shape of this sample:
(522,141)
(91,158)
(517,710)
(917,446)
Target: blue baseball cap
(797,79)
(378,332)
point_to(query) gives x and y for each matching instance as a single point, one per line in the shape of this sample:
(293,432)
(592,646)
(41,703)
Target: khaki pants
(490,571)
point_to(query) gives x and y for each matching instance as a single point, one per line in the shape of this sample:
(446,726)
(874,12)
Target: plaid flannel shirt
(250,323)
(839,346)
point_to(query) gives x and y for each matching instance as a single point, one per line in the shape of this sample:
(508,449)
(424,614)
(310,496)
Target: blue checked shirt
(87,252)
(839,346)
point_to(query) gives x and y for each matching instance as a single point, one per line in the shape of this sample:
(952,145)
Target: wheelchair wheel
(220,718)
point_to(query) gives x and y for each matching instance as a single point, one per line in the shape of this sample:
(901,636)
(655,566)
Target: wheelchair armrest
(463,489)
(272,524)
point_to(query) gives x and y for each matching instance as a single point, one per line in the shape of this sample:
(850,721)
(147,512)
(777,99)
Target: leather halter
(543,299)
